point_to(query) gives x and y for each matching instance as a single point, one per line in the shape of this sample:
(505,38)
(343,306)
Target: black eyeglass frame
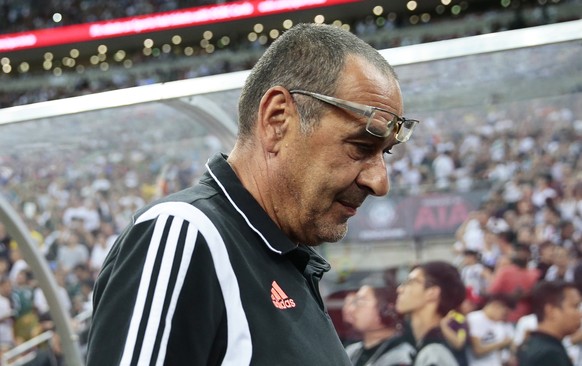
(393,125)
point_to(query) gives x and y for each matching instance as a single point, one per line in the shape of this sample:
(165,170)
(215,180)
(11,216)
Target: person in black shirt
(5,245)
(557,307)
(224,273)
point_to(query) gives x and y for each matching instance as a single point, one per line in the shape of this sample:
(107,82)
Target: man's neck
(251,171)
(547,328)
(375,337)
(422,322)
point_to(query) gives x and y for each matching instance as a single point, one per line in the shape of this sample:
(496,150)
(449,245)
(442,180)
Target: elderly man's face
(324,176)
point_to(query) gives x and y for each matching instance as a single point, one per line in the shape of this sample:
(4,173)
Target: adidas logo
(280,298)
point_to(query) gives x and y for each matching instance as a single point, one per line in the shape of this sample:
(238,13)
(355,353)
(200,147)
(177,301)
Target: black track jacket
(205,277)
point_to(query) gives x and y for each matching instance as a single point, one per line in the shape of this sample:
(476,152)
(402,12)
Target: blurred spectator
(557,308)
(18,263)
(51,353)
(545,257)
(77,282)
(348,308)
(443,167)
(562,267)
(471,234)
(516,280)
(568,237)
(489,332)
(72,252)
(430,292)
(455,330)
(500,238)
(4,243)
(524,326)
(83,301)
(543,191)
(6,315)
(472,272)
(26,318)
(103,243)
(40,301)
(547,224)
(4,267)
(375,317)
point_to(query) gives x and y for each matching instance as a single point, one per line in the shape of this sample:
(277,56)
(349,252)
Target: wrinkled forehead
(364,83)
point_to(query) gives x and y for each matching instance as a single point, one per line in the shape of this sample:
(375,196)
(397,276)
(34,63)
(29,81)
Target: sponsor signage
(157,22)
(403,217)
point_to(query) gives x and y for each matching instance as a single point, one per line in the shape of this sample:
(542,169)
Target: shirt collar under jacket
(223,174)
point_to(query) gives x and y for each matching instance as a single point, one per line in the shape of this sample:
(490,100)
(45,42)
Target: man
(224,272)
(516,280)
(431,291)
(6,315)
(375,317)
(563,265)
(472,272)
(557,307)
(489,331)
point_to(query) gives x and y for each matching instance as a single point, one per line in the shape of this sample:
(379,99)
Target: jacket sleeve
(157,299)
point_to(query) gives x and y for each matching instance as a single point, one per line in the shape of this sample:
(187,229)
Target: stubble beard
(326,232)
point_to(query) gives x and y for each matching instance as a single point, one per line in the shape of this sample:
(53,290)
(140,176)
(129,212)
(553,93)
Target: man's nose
(374,176)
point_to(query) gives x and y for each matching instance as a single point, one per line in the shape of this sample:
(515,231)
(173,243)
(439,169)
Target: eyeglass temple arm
(361,109)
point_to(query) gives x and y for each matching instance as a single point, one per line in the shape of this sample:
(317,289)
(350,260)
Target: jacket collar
(246,205)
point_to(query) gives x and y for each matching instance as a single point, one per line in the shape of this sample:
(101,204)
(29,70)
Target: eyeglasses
(380,123)
(410,281)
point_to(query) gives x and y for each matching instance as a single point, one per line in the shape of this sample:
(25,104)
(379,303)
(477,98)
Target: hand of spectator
(507,342)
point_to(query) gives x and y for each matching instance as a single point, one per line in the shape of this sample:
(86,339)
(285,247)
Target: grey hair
(309,57)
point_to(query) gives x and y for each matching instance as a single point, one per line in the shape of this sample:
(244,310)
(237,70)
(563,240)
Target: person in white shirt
(524,326)
(6,315)
(472,272)
(444,167)
(40,300)
(489,332)
(99,252)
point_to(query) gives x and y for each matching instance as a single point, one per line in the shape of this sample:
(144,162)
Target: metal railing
(28,351)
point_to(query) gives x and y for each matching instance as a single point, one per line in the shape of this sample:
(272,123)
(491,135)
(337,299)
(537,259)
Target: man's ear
(433,293)
(275,116)
(550,312)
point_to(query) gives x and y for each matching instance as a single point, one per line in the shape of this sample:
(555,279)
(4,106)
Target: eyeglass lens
(406,129)
(381,123)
